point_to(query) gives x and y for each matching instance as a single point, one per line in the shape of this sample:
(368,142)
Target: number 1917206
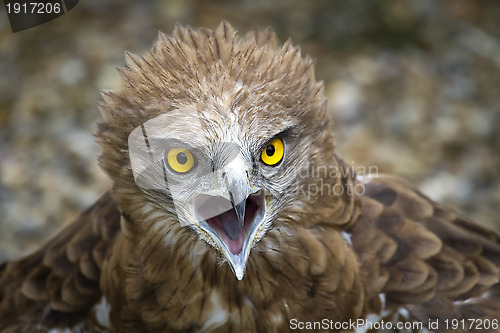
(33,7)
(471,324)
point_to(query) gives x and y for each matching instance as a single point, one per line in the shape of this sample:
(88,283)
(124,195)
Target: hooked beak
(233,223)
(238,188)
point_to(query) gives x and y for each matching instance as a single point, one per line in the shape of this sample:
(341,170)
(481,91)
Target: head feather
(197,67)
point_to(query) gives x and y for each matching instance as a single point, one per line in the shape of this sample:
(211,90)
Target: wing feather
(58,285)
(438,264)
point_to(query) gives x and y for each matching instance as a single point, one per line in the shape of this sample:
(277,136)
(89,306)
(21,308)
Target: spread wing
(59,284)
(436,263)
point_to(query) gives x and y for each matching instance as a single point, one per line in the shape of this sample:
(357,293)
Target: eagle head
(209,142)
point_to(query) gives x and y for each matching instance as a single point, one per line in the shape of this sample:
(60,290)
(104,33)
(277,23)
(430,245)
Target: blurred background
(414,87)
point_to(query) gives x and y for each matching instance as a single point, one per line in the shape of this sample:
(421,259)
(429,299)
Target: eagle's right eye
(180,160)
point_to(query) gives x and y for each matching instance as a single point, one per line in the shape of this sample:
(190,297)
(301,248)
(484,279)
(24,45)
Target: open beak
(232,220)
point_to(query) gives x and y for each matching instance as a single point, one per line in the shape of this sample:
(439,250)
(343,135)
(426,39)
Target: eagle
(230,211)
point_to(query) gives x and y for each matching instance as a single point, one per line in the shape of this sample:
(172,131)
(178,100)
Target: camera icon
(184,164)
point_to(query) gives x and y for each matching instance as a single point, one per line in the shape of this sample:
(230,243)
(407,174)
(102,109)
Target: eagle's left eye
(180,160)
(273,153)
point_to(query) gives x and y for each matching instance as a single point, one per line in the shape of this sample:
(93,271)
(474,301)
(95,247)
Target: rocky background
(414,87)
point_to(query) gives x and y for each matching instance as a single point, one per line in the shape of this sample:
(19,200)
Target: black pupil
(181,158)
(270,150)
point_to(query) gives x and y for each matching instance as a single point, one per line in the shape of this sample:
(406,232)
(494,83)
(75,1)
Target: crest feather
(197,67)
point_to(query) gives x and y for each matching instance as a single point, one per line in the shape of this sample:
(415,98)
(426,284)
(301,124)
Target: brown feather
(49,288)
(455,254)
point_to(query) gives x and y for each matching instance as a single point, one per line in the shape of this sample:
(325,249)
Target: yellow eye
(180,160)
(273,152)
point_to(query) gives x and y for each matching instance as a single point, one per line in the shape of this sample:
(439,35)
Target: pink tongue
(229,222)
(231,232)
(226,225)
(235,246)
